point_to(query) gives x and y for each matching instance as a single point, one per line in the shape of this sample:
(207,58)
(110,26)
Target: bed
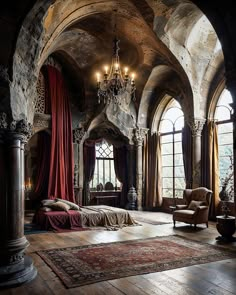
(90,216)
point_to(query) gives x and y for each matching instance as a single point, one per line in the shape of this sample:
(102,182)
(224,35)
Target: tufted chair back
(198,194)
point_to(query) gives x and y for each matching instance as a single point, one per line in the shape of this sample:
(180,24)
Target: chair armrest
(200,208)
(181,207)
(201,214)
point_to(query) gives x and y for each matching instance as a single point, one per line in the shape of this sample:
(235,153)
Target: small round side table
(226,227)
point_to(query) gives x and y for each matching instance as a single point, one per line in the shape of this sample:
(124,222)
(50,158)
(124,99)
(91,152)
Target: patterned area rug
(83,265)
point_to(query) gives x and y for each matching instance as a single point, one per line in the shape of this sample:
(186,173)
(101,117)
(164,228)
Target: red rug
(83,265)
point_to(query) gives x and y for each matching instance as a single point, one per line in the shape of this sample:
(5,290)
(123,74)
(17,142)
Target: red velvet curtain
(120,165)
(61,162)
(43,146)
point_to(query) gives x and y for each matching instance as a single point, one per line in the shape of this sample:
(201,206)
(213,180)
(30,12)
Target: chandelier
(116,86)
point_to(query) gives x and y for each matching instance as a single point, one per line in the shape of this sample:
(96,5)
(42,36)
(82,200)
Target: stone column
(78,138)
(196,126)
(231,86)
(15,267)
(139,134)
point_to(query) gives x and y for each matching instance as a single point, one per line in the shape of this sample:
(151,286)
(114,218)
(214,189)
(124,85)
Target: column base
(17,274)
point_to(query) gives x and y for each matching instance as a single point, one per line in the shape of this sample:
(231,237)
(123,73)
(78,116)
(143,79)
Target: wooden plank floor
(216,278)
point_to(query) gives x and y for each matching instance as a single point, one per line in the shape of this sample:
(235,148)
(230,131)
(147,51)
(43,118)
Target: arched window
(171,125)
(104,167)
(225,142)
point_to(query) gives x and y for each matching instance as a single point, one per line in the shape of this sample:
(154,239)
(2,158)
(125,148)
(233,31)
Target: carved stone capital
(139,134)
(12,125)
(21,129)
(3,121)
(196,126)
(25,128)
(78,134)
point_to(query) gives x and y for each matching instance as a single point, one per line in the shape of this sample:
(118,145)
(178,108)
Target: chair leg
(174,222)
(207,224)
(195,226)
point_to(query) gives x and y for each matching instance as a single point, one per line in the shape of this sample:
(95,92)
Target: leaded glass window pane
(225,142)
(179,171)
(178,159)
(104,168)
(167,193)
(166,138)
(167,182)
(104,150)
(167,160)
(167,171)
(179,183)
(167,148)
(178,148)
(225,138)
(172,123)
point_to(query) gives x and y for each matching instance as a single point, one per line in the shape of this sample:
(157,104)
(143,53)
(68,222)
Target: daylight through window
(225,142)
(173,178)
(104,168)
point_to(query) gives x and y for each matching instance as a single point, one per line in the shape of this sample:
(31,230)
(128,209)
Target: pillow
(194,204)
(72,205)
(59,206)
(47,202)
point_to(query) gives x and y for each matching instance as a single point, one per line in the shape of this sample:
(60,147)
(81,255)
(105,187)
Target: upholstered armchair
(197,207)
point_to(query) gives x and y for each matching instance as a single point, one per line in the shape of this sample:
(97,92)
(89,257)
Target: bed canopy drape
(61,160)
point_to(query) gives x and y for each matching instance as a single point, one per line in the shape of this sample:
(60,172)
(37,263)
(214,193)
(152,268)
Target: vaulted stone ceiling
(170,45)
